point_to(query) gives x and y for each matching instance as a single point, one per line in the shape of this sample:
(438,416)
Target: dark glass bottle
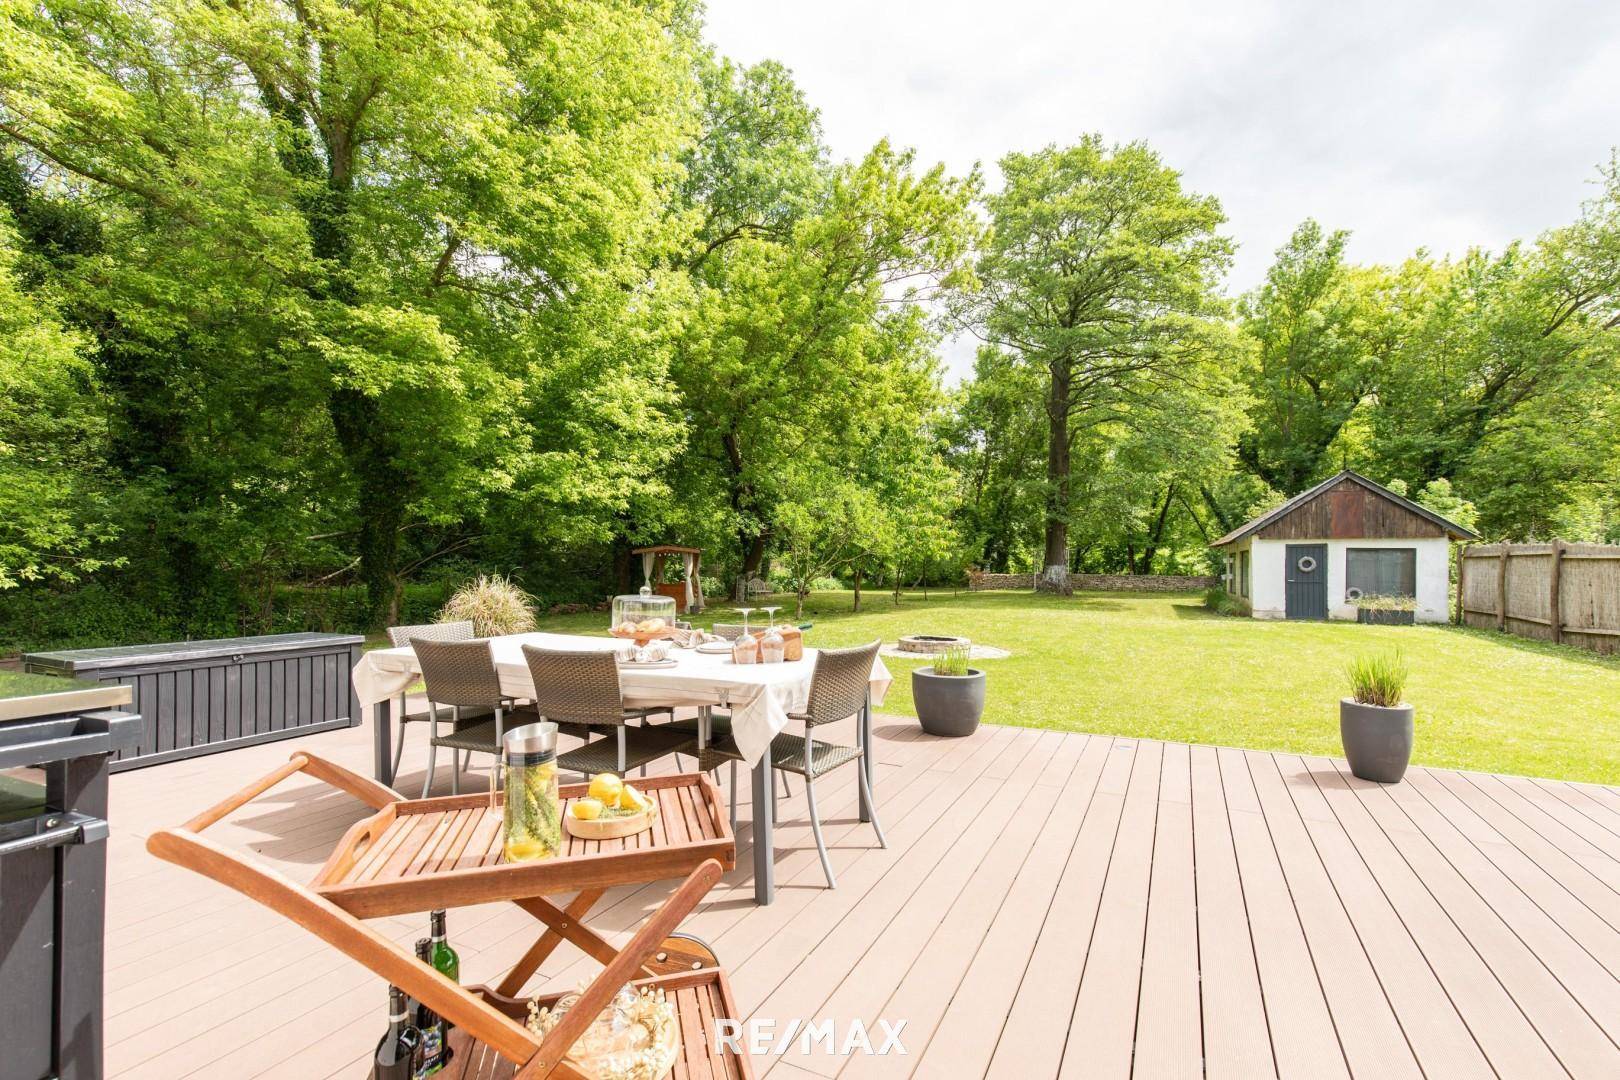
(444,957)
(396,1054)
(432,1051)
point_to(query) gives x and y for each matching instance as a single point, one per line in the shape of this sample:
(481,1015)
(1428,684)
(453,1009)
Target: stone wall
(980,580)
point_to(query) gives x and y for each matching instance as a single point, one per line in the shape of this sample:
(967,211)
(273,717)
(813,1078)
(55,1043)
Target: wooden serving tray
(421,854)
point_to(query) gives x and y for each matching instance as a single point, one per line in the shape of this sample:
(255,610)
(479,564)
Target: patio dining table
(758,696)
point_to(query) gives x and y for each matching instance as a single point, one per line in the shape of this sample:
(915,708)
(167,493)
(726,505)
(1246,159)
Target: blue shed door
(1306,568)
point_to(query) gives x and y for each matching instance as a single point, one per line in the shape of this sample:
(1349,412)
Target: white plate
(714,647)
(647,663)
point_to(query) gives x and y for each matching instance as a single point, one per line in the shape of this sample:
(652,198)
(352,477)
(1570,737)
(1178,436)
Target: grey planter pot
(948,705)
(1377,740)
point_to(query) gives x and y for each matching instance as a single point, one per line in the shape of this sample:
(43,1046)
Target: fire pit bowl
(929,644)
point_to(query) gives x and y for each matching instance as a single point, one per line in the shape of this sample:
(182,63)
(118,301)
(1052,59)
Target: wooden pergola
(688,595)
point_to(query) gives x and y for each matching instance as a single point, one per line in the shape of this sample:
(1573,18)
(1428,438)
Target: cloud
(1441,126)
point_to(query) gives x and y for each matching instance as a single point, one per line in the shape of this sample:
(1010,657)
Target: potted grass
(1375,724)
(948,694)
(1386,610)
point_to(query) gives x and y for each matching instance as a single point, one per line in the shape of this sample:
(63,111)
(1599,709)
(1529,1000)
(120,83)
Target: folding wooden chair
(490,1040)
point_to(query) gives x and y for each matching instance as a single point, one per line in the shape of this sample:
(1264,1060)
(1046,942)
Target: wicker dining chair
(731,631)
(399,637)
(461,675)
(583,688)
(838,688)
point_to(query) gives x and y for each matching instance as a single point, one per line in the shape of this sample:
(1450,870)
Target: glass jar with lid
(643,616)
(532,817)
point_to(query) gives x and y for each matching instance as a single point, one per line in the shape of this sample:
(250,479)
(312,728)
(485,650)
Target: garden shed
(1343,540)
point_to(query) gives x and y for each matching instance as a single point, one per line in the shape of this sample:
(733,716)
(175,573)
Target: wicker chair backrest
(731,631)
(437,631)
(458,672)
(839,683)
(581,687)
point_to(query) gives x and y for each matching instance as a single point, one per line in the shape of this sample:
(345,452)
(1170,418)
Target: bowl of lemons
(612,808)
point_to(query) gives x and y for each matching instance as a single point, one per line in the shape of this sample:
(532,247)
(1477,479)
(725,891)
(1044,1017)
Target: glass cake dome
(643,616)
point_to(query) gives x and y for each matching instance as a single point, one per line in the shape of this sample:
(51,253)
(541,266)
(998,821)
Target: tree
(57,522)
(1100,274)
(1313,328)
(799,347)
(387,208)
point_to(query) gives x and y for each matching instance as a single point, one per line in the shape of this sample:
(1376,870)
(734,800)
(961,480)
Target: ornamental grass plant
(1378,678)
(493,604)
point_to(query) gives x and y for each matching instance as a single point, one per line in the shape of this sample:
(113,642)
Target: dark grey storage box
(200,697)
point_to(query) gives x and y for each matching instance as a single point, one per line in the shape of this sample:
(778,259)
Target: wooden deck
(1049,905)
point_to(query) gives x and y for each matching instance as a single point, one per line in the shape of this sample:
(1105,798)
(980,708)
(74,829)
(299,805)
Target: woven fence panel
(1552,592)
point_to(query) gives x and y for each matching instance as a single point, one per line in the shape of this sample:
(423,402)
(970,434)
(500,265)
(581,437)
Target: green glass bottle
(444,957)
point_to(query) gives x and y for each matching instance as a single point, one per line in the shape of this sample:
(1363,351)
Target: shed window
(1380,572)
(1243,573)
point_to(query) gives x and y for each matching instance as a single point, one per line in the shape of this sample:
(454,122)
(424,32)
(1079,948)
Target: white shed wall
(1270,576)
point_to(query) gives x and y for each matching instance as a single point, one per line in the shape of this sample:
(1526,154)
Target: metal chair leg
(455,755)
(871,805)
(433,728)
(815,827)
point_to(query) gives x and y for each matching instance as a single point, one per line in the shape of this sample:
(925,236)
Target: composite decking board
(1463,881)
(1550,828)
(1356,999)
(935,914)
(202,982)
(987,967)
(1237,1035)
(971,940)
(1169,1023)
(1304,1038)
(1585,825)
(1037,1023)
(1582,798)
(1448,1004)
(1513,878)
(951,844)
(1102,1028)
(1572,874)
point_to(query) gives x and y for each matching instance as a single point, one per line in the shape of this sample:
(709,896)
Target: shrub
(1221,602)
(493,605)
(1378,678)
(1374,602)
(953,659)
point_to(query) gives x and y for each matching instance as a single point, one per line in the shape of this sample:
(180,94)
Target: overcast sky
(1411,124)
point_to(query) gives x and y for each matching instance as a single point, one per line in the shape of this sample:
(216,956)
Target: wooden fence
(1554,592)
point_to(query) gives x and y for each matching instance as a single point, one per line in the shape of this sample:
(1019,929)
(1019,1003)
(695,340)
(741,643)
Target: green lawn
(1160,666)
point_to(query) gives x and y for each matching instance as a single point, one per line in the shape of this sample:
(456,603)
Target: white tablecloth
(759,696)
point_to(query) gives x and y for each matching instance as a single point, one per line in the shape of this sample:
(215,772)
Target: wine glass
(746,648)
(772,648)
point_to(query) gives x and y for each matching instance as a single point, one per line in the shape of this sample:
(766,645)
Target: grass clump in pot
(1378,678)
(493,604)
(953,659)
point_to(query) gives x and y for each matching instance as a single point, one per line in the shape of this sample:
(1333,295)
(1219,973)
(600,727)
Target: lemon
(587,809)
(631,799)
(606,787)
